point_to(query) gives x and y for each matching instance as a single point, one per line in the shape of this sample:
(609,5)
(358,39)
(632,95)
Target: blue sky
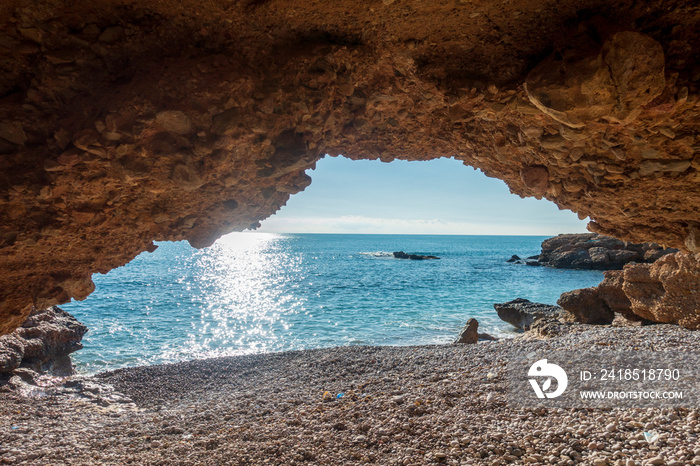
(441,196)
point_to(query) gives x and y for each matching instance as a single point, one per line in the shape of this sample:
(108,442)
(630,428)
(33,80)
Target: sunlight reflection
(245,300)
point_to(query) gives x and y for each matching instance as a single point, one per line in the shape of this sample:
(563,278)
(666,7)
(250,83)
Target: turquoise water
(261,292)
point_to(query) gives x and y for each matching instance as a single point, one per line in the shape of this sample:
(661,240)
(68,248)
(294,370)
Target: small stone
(111,34)
(13,131)
(656,460)
(470,333)
(174,121)
(32,34)
(536,178)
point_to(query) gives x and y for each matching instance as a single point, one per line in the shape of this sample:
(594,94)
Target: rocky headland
(644,283)
(593,251)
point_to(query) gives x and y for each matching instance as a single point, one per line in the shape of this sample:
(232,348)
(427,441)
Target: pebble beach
(412,405)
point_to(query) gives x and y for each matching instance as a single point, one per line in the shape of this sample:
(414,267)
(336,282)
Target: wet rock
(514,258)
(522,313)
(415,257)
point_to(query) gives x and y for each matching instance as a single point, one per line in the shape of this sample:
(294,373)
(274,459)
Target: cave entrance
(321,272)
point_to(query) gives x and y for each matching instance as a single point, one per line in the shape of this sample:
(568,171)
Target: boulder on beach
(470,334)
(414,257)
(43,343)
(585,306)
(664,291)
(522,313)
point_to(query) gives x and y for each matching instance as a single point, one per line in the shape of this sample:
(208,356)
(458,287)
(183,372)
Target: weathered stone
(586,307)
(174,121)
(598,252)
(13,131)
(535,178)
(522,313)
(42,343)
(111,34)
(227,121)
(666,291)
(653,166)
(470,333)
(692,241)
(611,84)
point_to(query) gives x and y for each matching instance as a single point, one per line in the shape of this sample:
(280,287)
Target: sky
(441,196)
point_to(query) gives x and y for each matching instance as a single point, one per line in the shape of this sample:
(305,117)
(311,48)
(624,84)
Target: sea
(265,292)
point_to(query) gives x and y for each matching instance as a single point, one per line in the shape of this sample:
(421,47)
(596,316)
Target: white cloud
(380,225)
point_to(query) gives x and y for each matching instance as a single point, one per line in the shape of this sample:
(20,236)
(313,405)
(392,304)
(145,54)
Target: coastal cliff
(122,123)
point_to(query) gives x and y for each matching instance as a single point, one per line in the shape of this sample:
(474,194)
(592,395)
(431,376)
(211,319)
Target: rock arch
(124,124)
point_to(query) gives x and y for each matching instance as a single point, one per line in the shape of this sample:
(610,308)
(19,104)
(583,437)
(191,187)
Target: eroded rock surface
(598,252)
(127,122)
(521,313)
(666,291)
(42,343)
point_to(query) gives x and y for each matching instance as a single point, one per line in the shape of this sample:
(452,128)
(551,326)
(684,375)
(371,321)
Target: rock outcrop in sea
(596,252)
(414,257)
(43,343)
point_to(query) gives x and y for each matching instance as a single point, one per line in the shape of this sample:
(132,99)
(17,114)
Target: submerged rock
(522,313)
(43,343)
(415,257)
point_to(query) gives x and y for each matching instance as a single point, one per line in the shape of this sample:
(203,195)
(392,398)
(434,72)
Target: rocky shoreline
(399,406)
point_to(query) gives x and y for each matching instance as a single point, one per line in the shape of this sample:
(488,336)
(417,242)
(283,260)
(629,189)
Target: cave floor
(400,405)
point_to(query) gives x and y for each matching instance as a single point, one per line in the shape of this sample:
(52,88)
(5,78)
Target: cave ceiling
(124,123)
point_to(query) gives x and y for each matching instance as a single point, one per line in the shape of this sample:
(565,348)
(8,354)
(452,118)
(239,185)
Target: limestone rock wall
(127,122)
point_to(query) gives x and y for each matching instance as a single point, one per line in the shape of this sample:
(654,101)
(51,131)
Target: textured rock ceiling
(127,122)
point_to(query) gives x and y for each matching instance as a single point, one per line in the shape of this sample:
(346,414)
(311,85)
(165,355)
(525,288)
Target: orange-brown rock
(667,290)
(126,122)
